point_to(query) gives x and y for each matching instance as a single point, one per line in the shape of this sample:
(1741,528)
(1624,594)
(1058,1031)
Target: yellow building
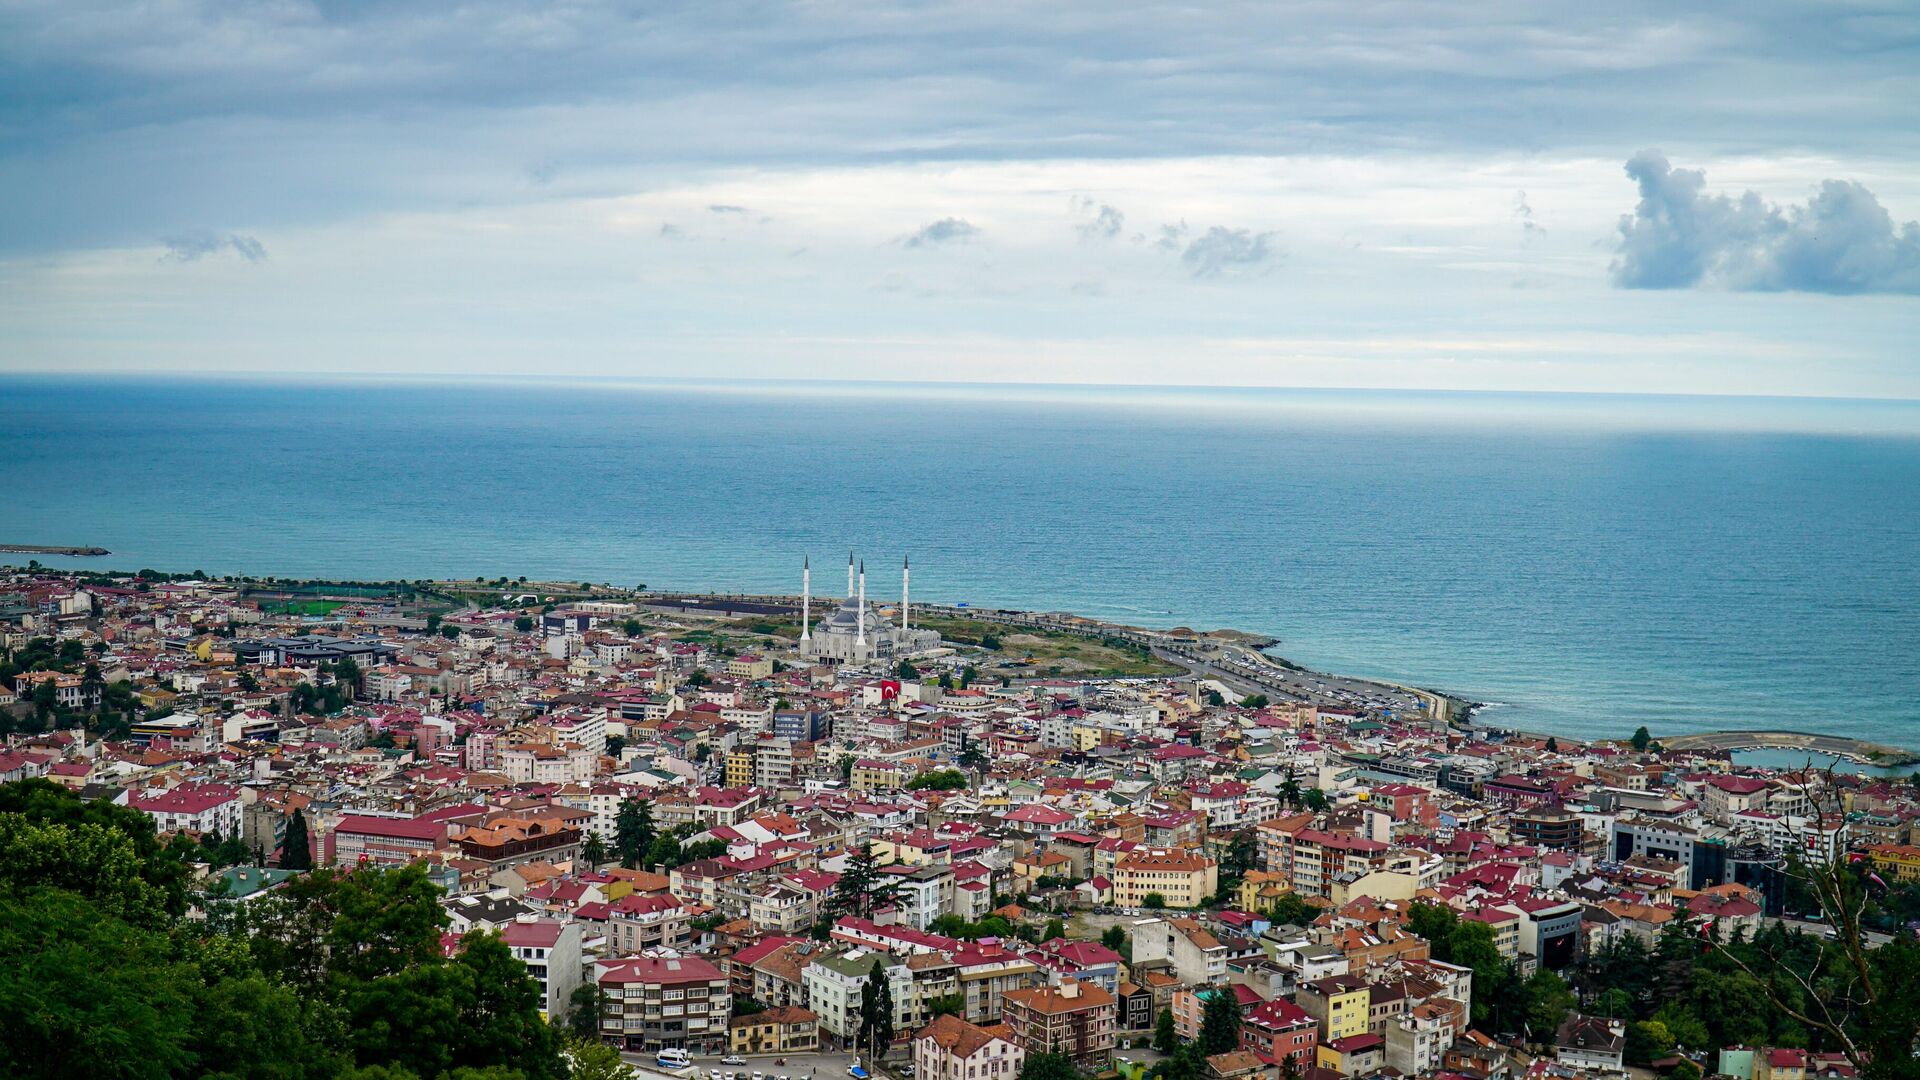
(1260,890)
(873,775)
(749,666)
(1898,861)
(740,769)
(1340,1003)
(1181,878)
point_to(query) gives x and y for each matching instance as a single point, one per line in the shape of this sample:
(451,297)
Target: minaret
(860,635)
(806,600)
(849,575)
(906,566)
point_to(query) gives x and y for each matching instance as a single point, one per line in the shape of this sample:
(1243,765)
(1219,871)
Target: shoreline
(1225,654)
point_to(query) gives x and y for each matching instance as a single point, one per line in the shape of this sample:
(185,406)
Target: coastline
(1240,660)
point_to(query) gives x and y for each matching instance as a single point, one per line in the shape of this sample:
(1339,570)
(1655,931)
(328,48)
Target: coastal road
(831,1065)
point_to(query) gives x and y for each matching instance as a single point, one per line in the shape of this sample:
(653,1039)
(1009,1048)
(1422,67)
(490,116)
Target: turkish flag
(889,689)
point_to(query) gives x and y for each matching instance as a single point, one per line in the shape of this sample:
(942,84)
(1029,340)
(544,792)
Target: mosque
(854,633)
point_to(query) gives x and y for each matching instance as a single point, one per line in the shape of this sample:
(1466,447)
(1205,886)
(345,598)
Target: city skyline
(1482,199)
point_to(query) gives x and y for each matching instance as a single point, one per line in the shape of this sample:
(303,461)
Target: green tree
(947,1005)
(1254,701)
(939,780)
(1114,938)
(1549,1000)
(1215,699)
(862,887)
(1165,1039)
(585,1008)
(1055,930)
(591,1059)
(1153,900)
(1641,738)
(1220,1021)
(1647,1041)
(633,831)
(295,852)
(905,670)
(594,850)
(523,623)
(384,922)
(1049,1067)
(876,1011)
(1315,800)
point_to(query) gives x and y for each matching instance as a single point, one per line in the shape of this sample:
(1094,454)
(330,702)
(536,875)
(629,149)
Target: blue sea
(1586,564)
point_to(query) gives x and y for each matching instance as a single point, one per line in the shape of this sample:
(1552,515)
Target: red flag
(889,689)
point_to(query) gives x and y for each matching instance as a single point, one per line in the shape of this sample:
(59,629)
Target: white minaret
(849,575)
(806,600)
(860,635)
(906,566)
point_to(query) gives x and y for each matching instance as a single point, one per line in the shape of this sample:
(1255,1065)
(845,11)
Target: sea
(1584,564)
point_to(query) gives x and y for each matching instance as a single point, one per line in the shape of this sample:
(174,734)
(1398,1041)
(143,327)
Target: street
(821,1066)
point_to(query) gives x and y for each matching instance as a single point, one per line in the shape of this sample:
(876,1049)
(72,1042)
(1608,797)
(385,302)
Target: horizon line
(722,382)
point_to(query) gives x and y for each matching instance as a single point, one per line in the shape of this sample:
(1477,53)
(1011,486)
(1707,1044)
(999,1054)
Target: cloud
(1221,251)
(1840,241)
(1107,221)
(192,247)
(1172,237)
(670,231)
(723,208)
(945,231)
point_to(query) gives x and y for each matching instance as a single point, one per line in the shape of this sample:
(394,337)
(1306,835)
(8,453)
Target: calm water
(1589,563)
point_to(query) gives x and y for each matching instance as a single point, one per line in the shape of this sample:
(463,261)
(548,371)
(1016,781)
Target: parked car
(733,1059)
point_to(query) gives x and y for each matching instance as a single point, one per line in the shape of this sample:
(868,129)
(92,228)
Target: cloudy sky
(1627,197)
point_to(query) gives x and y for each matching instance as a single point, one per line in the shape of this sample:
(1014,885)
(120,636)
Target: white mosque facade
(853,632)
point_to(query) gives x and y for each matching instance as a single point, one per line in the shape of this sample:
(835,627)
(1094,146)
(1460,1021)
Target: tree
(905,670)
(632,628)
(1114,938)
(591,1059)
(1641,737)
(1215,699)
(947,1005)
(594,850)
(1049,1067)
(939,780)
(876,1011)
(1254,701)
(1553,745)
(1055,930)
(1154,900)
(698,677)
(585,1007)
(862,887)
(295,850)
(1220,1021)
(523,623)
(633,831)
(1165,1039)
(1315,800)
(1548,1001)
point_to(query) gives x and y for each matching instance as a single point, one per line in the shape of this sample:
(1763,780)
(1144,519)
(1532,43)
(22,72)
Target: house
(950,1048)
(1598,1043)
(654,1004)
(1278,1029)
(200,808)
(1073,1018)
(783,1029)
(1178,878)
(551,950)
(379,841)
(1354,1055)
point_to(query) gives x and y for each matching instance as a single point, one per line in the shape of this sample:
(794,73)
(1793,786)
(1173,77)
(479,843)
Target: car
(733,1059)
(713,1074)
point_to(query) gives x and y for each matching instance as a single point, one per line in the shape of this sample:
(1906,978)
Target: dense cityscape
(494,828)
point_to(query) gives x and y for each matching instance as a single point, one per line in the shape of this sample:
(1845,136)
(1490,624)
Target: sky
(1659,197)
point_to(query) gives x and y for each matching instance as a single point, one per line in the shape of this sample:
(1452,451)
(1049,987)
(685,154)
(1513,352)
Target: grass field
(1049,652)
(303,607)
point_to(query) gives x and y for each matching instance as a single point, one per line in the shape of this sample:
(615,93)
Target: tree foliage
(331,975)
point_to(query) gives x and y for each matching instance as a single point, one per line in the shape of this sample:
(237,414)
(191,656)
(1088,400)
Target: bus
(673,1058)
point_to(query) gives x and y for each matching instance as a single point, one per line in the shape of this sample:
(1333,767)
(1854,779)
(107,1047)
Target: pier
(39,549)
(1854,750)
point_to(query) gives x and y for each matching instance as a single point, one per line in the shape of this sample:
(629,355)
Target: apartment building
(653,1004)
(1074,1018)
